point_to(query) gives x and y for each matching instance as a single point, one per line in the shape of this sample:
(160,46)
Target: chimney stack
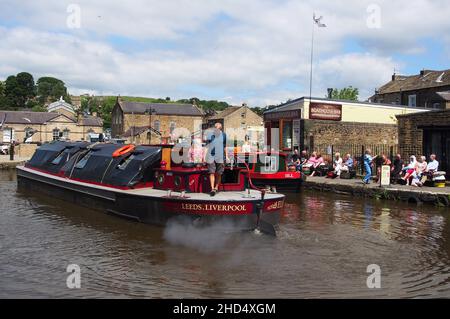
(330,93)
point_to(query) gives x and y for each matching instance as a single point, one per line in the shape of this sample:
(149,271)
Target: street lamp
(150,111)
(318,22)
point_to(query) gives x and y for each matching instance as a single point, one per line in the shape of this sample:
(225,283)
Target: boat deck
(231,196)
(234,196)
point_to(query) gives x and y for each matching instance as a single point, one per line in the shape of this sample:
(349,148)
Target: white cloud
(255,51)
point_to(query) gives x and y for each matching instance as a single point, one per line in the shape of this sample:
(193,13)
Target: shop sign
(327,112)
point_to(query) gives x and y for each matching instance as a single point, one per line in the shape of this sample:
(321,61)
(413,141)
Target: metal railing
(356,151)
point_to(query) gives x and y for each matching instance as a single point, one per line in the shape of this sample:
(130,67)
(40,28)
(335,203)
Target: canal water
(325,244)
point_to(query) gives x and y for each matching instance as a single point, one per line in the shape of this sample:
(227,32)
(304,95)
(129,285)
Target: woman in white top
(337,164)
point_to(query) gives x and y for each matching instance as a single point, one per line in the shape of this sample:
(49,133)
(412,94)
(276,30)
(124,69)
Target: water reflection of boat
(142,183)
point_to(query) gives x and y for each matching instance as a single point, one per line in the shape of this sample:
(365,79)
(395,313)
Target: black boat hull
(152,210)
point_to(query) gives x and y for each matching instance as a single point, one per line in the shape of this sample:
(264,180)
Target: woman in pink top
(313,159)
(196,152)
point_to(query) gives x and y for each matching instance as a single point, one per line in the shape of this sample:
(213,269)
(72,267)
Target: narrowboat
(270,171)
(144,184)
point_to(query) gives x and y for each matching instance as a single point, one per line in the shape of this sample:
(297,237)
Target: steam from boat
(205,238)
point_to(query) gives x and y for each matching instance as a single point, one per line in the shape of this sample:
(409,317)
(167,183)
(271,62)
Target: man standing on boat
(216,156)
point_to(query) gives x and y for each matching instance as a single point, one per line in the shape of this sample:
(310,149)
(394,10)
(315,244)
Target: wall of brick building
(332,133)
(44,133)
(191,124)
(425,97)
(411,136)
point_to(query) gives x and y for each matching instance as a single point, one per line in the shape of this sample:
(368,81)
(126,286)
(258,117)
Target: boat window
(82,163)
(124,163)
(58,159)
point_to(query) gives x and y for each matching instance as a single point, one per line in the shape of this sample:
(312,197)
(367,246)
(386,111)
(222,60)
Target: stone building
(150,123)
(425,134)
(317,124)
(239,121)
(47,126)
(429,89)
(60,122)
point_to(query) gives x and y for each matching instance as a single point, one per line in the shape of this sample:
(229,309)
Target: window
(157,125)
(66,133)
(412,100)
(56,134)
(8,135)
(436,105)
(287,135)
(172,127)
(82,163)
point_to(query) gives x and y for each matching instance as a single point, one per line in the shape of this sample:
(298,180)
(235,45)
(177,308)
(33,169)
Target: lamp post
(318,22)
(150,112)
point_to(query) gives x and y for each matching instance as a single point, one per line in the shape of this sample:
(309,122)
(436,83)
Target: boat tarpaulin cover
(51,157)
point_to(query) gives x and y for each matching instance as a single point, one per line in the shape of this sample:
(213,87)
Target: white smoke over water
(204,238)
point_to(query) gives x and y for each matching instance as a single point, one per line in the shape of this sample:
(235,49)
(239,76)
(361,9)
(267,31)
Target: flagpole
(312,58)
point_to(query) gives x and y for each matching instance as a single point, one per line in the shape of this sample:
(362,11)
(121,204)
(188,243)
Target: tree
(349,93)
(51,88)
(2,88)
(26,85)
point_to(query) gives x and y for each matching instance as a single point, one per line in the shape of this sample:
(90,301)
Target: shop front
(283,130)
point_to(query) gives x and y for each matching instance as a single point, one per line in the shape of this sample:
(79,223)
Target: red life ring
(124,150)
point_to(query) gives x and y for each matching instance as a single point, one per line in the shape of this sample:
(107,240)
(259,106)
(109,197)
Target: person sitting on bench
(432,167)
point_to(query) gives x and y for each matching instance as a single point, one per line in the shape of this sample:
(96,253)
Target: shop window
(287,135)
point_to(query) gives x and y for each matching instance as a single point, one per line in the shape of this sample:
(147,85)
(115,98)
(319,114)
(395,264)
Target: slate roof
(426,79)
(39,118)
(444,95)
(135,131)
(160,108)
(88,120)
(221,115)
(23,117)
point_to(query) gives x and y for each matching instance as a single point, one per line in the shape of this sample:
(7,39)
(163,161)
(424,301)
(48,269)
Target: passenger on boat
(246,147)
(196,151)
(216,156)
(409,169)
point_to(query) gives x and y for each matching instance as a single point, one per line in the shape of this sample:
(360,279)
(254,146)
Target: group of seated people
(316,163)
(416,172)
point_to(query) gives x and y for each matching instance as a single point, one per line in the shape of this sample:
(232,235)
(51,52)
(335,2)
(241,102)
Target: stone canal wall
(425,195)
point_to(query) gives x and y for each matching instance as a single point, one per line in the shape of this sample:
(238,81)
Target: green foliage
(49,88)
(258,110)
(2,88)
(349,93)
(38,108)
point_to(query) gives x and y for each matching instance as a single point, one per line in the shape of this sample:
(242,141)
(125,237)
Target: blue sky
(238,51)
